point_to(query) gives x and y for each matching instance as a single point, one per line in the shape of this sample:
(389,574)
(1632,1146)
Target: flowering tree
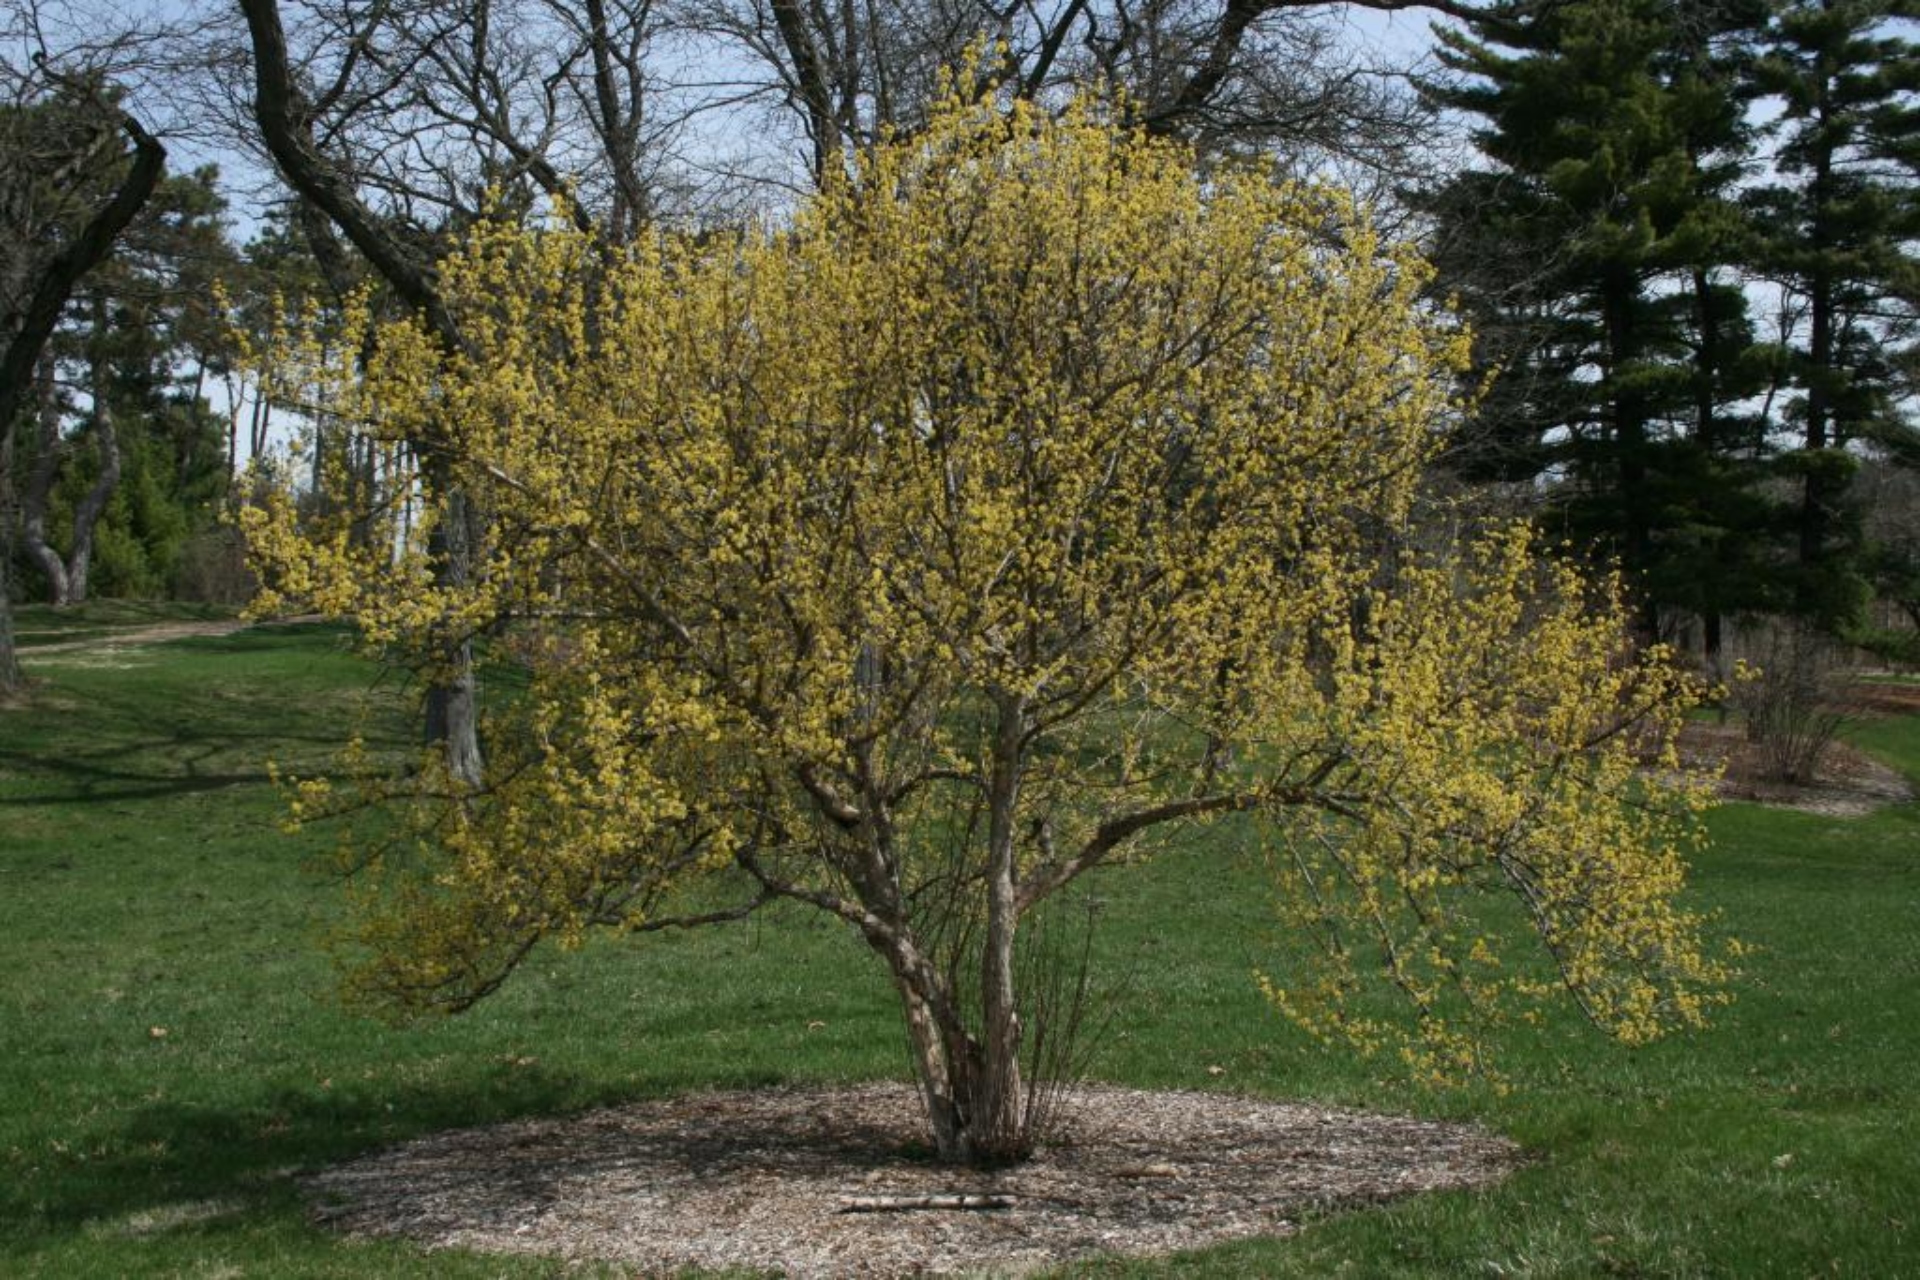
(1024,498)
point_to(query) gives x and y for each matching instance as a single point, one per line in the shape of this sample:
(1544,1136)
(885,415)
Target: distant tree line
(1683,230)
(1687,246)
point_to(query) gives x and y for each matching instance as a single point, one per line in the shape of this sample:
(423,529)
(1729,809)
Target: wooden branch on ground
(899,1204)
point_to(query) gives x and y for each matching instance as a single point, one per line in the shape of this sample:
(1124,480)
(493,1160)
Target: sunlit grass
(173,1055)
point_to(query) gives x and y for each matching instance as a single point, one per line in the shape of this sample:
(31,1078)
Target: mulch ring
(1885,697)
(1850,783)
(788,1181)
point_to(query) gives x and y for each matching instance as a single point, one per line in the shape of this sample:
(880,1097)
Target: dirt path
(130,637)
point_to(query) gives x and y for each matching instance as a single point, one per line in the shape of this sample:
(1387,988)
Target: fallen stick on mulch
(895,1204)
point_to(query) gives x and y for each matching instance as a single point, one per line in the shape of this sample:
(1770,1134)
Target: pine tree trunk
(1816,496)
(1629,414)
(1706,437)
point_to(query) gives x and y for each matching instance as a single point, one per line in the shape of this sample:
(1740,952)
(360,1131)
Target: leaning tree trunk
(54,283)
(286,126)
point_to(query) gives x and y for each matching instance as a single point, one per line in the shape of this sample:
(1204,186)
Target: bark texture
(452,715)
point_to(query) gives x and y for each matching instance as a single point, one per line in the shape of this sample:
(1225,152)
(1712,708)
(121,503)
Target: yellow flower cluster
(1023,495)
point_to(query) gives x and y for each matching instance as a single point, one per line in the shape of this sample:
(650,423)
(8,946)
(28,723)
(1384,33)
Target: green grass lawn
(172,1056)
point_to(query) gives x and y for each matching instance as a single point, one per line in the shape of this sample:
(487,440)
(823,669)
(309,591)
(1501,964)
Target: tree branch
(67,267)
(1045,879)
(286,127)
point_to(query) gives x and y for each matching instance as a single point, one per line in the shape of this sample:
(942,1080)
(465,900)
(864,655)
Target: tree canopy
(1026,497)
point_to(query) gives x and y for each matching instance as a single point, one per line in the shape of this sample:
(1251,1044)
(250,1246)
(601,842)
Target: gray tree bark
(68,579)
(30,321)
(452,718)
(11,677)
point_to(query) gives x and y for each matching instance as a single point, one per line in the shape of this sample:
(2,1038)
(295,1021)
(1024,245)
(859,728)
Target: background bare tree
(400,122)
(1279,76)
(76,167)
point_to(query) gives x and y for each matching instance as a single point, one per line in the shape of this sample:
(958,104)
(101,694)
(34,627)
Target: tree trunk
(1713,645)
(974,1097)
(257,426)
(1816,498)
(11,677)
(1706,432)
(452,715)
(971,1084)
(997,1104)
(286,128)
(928,1043)
(67,578)
(46,464)
(55,282)
(87,514)
(1817,491)
(1618,303)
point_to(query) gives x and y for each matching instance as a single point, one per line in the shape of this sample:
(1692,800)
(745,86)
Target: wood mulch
(1850,784)
(1885,697)
(788,1181)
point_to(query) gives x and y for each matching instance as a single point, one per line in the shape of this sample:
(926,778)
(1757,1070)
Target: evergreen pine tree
(1591,252)
(1841,215)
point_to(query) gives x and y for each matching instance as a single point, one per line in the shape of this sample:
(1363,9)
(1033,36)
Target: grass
(173,1056)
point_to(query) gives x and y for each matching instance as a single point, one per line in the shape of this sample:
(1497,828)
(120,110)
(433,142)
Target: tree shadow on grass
(150,739)
(252,1153)
(81,781)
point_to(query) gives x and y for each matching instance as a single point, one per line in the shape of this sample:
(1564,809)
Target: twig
(897,1204)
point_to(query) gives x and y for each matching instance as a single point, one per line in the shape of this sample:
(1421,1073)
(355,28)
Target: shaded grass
(174,1056)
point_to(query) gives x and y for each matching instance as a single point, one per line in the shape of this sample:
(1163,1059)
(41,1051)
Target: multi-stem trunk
(970,1080)
(46,463)
(68,579)
(971,1087)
